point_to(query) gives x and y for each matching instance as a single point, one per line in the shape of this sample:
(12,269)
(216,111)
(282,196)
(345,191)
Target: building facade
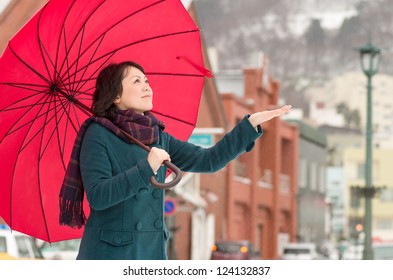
(262,184)
(382,203)
(312,206)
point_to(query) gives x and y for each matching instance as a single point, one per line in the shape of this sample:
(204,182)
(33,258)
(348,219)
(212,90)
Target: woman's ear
(117,100)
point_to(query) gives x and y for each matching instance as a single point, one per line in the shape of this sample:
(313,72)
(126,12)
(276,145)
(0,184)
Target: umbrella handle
(170,165)
(170,184)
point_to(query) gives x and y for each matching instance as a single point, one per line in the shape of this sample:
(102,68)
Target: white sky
(3,4)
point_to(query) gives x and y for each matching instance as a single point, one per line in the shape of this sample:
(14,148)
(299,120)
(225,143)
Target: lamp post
(370,57)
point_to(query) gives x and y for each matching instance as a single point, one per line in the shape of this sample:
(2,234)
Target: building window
(265,179)
(386,195)
(313,176)
(360,171)
(302,173)
(285,182)
(322,178)
(3,245)
(240,167)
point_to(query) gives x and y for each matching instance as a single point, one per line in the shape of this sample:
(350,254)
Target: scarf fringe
(71,213)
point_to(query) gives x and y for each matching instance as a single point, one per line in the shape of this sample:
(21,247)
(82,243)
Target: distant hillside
(307,41)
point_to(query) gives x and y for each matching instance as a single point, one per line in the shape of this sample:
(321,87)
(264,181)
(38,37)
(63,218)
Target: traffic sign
(169,206)
(204,140)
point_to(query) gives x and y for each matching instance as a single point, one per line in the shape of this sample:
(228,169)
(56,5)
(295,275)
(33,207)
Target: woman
(126,213)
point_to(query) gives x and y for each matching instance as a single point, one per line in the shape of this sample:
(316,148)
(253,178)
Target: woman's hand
(156,157)
(260,117)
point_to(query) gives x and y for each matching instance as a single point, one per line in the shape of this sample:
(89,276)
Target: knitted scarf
(144,128)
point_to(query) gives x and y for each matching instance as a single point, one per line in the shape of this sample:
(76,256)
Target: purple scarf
(144,128)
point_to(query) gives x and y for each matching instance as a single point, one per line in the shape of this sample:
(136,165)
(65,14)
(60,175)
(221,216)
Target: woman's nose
(147,87)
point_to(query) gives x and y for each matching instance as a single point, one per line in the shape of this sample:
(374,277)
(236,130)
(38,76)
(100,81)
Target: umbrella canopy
(47,77)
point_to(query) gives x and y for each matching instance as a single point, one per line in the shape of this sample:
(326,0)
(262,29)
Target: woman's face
(137,94)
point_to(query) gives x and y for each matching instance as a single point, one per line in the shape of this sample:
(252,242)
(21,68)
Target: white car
(18,245)
(62,250)
(299,251)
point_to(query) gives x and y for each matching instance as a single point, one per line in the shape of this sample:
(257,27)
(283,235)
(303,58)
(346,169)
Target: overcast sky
(3,4)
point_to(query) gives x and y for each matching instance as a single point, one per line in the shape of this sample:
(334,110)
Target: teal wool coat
(126,219)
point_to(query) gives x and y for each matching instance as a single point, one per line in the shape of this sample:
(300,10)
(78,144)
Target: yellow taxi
(16,245)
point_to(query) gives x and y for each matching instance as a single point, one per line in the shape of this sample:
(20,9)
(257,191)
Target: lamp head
(370,57)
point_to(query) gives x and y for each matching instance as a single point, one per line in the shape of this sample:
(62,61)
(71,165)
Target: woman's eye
(137,81)
(147,82)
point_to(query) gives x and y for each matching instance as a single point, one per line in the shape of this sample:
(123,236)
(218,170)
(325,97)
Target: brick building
(262,184)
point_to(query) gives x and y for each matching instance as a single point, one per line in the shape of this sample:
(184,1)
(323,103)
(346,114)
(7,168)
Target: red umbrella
(47,76)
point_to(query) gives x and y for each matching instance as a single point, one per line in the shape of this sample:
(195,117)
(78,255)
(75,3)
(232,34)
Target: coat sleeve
(104,190)
(193,158)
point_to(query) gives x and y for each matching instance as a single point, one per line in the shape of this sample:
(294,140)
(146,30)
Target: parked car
(62,250)
(299,251)
(16,245)
(5,256)
(381,251)
(234,250)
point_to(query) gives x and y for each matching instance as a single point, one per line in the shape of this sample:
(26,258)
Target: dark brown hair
(108,87)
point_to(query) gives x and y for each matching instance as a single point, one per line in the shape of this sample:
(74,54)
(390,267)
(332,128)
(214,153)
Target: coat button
(117,240)
(157,193)
(143,191)
(158,224)
(138,226)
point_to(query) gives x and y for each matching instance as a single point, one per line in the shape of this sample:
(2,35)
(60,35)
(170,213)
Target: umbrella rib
(92,74)
(25,86)
(77,34)
(111,53)
(31,122)
(29,66)
(174,74)
(40,44)
(79,52)
(69,120)
(41,129)
(108,29)
(65,135)
(13,172)
(56,73)
(111,27)
(173,118)
(79,83)
(11,130)
(56,130)
(69,83)
(91,58)
(53,132)
(39,171)
(20,100)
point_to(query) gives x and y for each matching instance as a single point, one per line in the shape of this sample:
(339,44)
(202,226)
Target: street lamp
(370,57)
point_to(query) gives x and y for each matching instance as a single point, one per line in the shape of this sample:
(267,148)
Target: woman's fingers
(285,109)
(268,115)
(156,157)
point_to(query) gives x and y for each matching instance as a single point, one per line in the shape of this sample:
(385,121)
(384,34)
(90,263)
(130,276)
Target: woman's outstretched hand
(260,117)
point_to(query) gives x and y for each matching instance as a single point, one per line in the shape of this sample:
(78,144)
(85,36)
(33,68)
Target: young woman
(126,212)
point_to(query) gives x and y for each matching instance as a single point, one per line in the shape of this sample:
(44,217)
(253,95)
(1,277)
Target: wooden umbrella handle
(170,184)
(170,165)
